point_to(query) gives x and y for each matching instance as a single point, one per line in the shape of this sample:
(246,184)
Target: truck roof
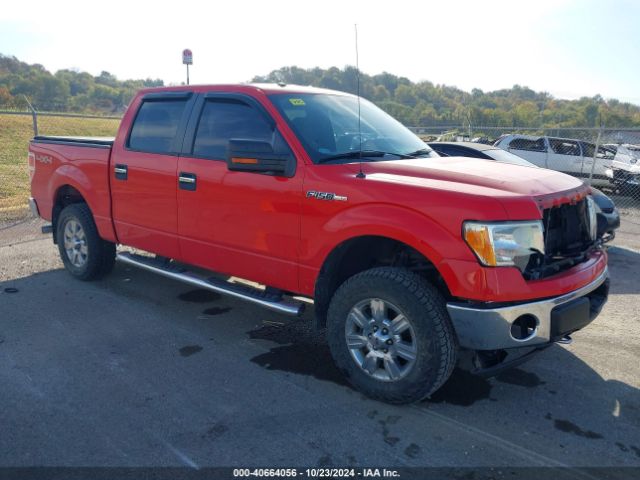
(267,88)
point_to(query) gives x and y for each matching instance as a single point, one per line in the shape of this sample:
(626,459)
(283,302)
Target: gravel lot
(137,370)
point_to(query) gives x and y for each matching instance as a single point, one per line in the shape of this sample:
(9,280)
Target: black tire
(425,309)
(100,254)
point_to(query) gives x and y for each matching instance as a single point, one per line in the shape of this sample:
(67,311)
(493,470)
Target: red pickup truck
(415,263)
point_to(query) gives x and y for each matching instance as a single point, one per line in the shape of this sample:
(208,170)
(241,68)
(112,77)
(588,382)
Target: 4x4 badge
(326,196)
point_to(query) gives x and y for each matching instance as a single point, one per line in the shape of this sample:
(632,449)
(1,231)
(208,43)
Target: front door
(240,223)
(143,174)
(565,156)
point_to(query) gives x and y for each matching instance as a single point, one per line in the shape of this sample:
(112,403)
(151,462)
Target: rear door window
(221,121)
(155,126)
(532,145)
(564,147)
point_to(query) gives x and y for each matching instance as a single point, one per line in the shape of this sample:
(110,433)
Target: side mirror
(257,156)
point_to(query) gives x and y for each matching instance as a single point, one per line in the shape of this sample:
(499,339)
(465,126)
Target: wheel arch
(68,185)
(64,195)
(362,252)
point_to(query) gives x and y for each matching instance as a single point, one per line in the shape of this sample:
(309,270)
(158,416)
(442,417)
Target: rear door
(532,149)
(144,174)
(244,224)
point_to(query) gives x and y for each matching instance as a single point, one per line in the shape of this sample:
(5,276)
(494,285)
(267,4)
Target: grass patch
(15,133)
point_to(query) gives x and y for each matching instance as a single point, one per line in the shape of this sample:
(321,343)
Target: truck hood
(479,177)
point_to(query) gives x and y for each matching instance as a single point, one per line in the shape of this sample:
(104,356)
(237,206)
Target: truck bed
(61,166)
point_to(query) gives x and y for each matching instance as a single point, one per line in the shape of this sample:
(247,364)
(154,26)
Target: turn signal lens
(479,239)
(244,161)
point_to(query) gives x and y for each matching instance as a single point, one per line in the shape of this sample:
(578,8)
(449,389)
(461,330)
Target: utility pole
(595,152)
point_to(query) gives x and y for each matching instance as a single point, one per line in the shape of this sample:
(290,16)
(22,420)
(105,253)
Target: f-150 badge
(325,196)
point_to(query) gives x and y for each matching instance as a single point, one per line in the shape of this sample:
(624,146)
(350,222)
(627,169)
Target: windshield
(327,126)
(507,157)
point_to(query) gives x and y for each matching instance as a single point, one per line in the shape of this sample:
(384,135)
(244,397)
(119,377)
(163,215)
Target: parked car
(626,155)
(476,150)
(413,261)
(574,157)
(609,212)
(626,169)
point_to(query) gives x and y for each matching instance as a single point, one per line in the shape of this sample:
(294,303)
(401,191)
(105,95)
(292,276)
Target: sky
(569,48)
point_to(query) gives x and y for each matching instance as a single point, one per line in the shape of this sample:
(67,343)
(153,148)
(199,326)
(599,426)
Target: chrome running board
(259,297)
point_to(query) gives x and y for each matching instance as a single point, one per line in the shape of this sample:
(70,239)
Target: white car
(626,168)
(574,157)
(626,157)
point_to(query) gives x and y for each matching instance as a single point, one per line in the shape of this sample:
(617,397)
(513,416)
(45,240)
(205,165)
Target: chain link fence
(16,130)
(606,158)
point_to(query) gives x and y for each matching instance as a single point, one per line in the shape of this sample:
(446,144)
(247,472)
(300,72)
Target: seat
(317,131)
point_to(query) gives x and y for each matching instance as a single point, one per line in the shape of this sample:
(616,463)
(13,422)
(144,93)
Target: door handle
(121,171)
(187,181)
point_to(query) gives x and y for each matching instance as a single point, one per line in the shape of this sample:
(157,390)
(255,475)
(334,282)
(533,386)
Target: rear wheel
(390,334)
(85,255)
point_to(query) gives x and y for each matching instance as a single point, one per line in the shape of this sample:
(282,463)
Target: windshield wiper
(418,153)
(364,154)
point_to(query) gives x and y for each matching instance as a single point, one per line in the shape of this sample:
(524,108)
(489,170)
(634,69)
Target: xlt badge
(325,196)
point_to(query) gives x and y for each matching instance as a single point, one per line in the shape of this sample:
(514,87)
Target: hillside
(426,104)
(66,90)
(415,104)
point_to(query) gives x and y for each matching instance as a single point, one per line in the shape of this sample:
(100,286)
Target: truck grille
(566,229)
(567,240)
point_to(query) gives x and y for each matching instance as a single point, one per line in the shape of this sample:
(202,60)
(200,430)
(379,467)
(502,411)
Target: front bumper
(626,179)
(486,328)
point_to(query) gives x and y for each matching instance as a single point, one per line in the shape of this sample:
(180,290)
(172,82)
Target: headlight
(504,244)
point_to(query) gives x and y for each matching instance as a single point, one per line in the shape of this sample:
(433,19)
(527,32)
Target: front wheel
(85,255)
(390,334)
